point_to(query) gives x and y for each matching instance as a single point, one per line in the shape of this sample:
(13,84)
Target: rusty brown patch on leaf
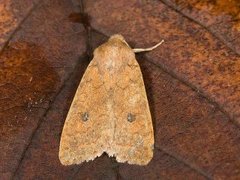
(26,81)
(11,14)
(230,7)
(7,21)
(217,7)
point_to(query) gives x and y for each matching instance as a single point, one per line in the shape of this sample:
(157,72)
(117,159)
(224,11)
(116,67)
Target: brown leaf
(34,66)
(192,82)
(13,13)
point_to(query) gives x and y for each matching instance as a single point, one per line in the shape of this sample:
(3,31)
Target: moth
(110,111)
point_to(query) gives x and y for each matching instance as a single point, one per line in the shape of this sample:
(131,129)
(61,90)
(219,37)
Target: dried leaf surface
(192,84)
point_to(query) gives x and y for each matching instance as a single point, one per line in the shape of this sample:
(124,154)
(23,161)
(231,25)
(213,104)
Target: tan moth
(110,111)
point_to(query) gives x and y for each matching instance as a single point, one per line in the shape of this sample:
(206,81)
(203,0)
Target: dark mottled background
(192,82)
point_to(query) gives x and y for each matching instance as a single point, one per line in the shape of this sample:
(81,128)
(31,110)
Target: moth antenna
(138,50)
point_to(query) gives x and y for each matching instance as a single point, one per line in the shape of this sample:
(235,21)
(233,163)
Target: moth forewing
(110,111)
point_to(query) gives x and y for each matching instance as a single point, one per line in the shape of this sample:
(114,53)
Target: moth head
(117,38)
(116,43)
